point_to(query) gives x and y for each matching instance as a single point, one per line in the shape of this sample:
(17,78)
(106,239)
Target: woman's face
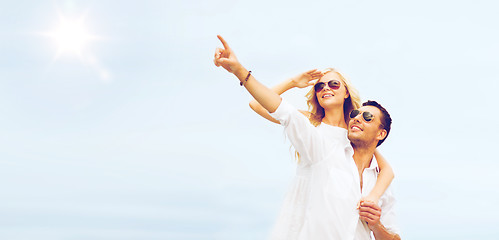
(328,96)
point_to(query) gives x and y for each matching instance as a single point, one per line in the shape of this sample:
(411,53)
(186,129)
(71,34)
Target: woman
(331,99)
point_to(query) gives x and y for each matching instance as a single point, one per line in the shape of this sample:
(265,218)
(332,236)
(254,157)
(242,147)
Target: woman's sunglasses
(333,84)
(366,115)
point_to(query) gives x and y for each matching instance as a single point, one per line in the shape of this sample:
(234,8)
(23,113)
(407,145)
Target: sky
(125,129)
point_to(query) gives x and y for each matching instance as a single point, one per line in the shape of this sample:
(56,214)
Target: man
(368,128)
(337,172)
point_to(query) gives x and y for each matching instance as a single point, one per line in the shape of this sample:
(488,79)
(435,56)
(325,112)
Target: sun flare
(71,37)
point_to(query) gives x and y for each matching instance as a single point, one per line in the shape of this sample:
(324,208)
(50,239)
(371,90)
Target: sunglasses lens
(367,116)
(319,86)
(354,113)
(334,84)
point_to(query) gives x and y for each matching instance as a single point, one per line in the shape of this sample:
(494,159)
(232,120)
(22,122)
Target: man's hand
(371,213)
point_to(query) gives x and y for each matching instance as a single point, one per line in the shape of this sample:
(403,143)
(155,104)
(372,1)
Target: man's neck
(363,155)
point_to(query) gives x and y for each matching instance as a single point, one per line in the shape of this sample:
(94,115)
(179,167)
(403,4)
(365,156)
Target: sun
(71,36)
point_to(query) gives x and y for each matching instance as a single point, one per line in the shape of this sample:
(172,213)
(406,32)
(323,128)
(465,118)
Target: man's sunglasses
(366,115)
(333,84)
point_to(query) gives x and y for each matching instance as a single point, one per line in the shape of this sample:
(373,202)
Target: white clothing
(322,202)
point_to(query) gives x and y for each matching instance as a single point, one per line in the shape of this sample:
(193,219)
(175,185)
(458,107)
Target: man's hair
(385,119)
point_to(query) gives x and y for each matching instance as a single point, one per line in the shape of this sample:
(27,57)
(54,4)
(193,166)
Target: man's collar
(374,164)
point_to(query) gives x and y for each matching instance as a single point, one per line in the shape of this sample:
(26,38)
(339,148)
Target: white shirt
(322,202)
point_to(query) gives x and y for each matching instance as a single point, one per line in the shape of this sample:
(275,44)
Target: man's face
(365,132)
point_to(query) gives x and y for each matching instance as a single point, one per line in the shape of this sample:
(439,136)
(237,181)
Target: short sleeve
(283,112)
(301,133)
(388,214)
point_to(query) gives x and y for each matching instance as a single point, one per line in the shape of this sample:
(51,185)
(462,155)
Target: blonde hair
(317,112)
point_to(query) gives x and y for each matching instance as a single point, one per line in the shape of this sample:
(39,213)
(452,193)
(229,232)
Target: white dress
(322,201)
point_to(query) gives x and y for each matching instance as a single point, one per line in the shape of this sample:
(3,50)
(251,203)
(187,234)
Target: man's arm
(371,213)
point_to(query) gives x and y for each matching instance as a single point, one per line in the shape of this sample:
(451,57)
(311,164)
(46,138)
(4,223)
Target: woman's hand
(226,58)
(368,198)
(306,79)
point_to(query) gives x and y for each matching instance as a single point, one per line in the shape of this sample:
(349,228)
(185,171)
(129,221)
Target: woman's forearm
(279,89)
(266,97)
(385,177)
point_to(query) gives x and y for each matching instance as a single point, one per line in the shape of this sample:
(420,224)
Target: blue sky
(142,137)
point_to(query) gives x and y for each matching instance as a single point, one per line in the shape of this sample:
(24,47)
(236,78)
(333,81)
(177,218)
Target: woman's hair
(351,103)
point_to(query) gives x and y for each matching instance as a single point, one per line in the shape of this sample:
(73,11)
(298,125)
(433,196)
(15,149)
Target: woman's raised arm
(226,58)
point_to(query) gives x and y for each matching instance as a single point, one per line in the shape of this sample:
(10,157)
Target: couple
(339,188)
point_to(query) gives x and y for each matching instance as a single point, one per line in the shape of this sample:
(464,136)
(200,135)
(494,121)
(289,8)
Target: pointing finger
(226,46)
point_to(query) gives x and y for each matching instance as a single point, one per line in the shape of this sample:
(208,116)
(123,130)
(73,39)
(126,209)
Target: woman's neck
(334,117)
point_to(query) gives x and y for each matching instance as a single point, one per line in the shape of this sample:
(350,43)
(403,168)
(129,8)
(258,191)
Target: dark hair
(385,119)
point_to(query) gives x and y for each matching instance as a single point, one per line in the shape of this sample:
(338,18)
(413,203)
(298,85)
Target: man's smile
(356,128)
